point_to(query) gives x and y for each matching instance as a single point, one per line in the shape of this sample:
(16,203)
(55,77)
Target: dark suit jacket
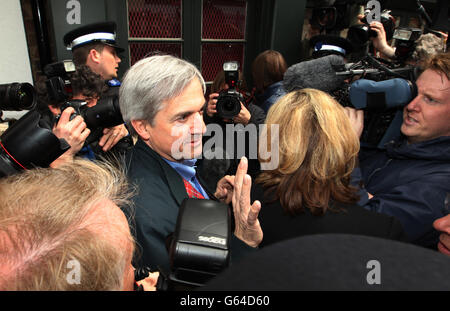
(160,194)
(278,225)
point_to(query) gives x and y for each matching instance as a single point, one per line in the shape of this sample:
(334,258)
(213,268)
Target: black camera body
(58,80)
(105,114)
(29,143)
(229,101)
(405,42)
(360,34)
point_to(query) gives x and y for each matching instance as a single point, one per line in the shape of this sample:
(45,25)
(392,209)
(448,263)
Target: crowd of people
(104,220)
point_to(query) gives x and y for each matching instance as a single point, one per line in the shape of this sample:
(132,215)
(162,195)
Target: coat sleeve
(416,205)
(258,116)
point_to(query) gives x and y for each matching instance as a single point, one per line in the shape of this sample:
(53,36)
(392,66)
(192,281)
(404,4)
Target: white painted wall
(14,59)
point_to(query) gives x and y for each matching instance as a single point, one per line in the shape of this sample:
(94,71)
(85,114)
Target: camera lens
(228,105)
(105,114)
(17,96)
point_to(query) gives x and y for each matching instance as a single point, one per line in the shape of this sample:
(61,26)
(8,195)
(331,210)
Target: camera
(106,113)
(103,115)
(382,93)
(58,80)
(17,96)
(405,42)
(199,248)
(360,34)
(229,101)
(29,143)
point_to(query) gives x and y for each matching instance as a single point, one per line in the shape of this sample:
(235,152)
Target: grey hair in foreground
(150,82)
(47,219)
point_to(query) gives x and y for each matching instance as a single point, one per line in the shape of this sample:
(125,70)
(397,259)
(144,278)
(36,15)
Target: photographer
(268,69)
(410,179)
(417,50)
(87,88)
(250,114)
(94,45)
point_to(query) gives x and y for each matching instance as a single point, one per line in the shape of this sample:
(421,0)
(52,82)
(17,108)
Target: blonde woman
(309,192)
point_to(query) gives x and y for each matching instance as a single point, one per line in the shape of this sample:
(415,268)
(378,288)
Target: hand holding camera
(211,106)
(242,117)
(74,131)
(111,136)
(380,41)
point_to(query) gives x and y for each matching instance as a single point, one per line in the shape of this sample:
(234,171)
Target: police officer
(95,45)
(324,45)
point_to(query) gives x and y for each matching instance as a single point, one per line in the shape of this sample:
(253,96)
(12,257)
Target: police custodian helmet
(104,32)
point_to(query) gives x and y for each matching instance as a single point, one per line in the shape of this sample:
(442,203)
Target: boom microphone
(318,74)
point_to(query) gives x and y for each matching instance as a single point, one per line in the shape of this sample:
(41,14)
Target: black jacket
(410,182)
(240,140)
(160,192)
(277,225)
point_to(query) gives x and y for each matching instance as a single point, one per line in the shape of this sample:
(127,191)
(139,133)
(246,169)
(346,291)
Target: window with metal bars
(156,26)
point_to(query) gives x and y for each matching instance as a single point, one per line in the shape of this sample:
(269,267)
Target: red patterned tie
(191,191)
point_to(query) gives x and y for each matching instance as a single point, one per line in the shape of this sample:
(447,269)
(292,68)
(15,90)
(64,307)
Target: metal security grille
(139,50)
(215,54)
(223,19)
(154,18)
(223,34)
(154,25)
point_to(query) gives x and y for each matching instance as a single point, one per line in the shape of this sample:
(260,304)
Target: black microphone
(318,74)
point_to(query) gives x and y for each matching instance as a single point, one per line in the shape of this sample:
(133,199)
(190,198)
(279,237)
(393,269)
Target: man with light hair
(77,238)
(410,179)
(162,98)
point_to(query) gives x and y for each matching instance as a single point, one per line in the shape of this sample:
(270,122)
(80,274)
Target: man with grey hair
(162,98)
(69,240)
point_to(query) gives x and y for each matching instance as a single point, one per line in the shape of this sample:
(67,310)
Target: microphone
(318,74)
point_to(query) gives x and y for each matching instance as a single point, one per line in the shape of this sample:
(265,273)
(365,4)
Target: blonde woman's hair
(317,152)
(45,223)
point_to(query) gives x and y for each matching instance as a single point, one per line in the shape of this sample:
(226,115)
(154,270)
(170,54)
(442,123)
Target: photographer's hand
(243,117)
(73,131)
(111,136)
(379,42)
(149,283)
(247,226)
(211,107)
